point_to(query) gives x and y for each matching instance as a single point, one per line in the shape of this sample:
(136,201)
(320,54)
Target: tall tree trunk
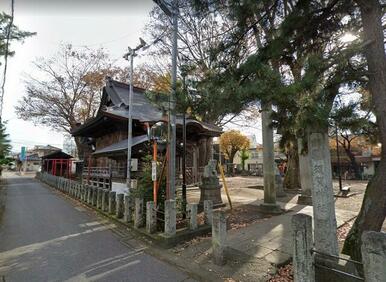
(373,210)
(354,164)
(80,148)
(292,175)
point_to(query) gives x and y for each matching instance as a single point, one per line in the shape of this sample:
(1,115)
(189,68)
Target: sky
(113,25)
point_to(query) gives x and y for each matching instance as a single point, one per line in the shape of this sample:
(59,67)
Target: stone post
(279,184)
(77,191)
(82,192)
(112,202)
(94,196)
(269,204)
(374,256)
(305,175)
(219,231)
(303,260)
(120,206)
(322,194)
(99,197)
(170,217)
(192,215)
(208,212)
(127,212)
(138,214)
(105,200)
(151,217)
(89,194)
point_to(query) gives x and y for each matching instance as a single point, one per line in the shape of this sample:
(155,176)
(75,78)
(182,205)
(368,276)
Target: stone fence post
(89,194)
(170,217)
(219,231)
(82,192)
(151,217)
(208,212)
(192,214)
(127,213)
(94,196)
(112,202)
(99,198)
(138,214)
(374,256)
(120,206)
(105,200)
(303,259)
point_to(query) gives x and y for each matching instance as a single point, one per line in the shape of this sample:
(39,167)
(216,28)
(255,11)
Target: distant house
(254,163)
(43,150)
(105,136)
(34,157)
(366,155)
(57,163)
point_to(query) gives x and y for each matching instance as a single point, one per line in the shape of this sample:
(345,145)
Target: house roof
(121,145)
(57,155)
(46,147)
(118,93)
(114,105)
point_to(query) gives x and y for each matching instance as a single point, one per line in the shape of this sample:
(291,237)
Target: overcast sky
(113,25)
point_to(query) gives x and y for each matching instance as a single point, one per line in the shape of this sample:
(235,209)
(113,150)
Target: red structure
(57,163)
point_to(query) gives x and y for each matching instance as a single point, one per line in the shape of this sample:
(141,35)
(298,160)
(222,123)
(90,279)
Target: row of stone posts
(373,252)
(120,206)
(100,198)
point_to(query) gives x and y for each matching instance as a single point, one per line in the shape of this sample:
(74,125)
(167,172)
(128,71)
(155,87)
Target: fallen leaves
(284,274)
(343,230)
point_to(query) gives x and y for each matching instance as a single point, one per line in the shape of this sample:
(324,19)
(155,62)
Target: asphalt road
(47,237)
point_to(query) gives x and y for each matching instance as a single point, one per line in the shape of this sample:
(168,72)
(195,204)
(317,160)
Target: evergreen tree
(5,146)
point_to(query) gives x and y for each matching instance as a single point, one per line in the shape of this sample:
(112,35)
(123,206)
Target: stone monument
(210,186)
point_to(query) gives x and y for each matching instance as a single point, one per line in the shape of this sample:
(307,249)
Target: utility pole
(170,8)
(338,157)
(132,54)
(184,200)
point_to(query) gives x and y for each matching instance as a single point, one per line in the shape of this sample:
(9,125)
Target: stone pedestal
(305,175)
(210,187)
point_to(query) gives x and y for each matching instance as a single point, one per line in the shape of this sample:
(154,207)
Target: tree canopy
(231,142)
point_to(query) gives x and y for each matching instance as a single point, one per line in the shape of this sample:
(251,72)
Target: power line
(6,57)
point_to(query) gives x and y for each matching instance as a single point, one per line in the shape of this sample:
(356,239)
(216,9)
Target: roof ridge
(124,85)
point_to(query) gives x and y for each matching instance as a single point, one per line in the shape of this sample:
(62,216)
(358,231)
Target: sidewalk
(253,252)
